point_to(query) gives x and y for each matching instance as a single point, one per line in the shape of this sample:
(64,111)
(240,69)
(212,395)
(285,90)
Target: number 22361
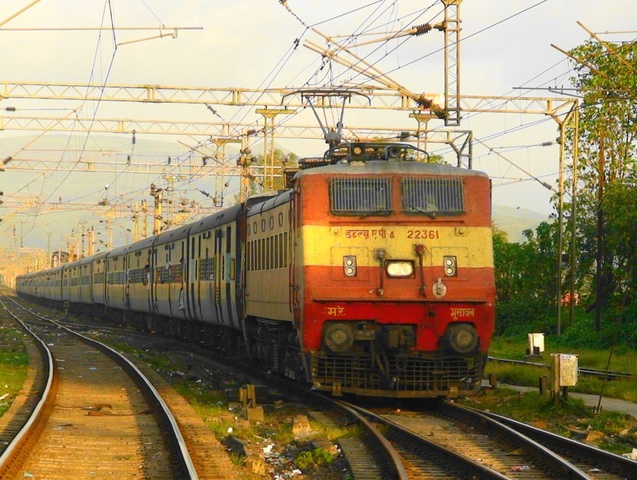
(423,234)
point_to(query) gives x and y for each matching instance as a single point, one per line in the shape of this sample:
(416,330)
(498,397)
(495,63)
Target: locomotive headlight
(462,338)
(399,269)
(349,265)
(339,337)
(450,265)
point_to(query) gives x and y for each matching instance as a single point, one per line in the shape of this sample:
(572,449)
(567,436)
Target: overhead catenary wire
(284,62)
(331,73)
(107,9)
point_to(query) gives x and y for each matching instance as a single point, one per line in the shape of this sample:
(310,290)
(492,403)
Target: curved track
(467,443)
(599,463)
(453,442)
(97,416)
(433,446)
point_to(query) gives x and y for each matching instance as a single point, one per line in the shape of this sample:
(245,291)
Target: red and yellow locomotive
(390,285)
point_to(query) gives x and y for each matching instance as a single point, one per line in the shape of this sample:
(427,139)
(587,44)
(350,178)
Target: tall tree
(606,76)
(526,278)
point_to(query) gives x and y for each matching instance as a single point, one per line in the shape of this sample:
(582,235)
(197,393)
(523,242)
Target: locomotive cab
(393,272)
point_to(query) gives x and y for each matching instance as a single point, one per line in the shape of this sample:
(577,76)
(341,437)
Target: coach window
(271,223)
(272,252)
(232,268)
(262,253)
(280,219)
(268,253)
(257,254)
(263,225)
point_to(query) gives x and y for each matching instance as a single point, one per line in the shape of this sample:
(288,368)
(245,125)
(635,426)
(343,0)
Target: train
(371,275)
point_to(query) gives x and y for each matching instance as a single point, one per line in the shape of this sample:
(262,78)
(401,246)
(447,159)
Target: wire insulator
(422,29)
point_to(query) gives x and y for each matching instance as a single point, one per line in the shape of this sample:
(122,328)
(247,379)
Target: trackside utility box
(564,368)
(536,343)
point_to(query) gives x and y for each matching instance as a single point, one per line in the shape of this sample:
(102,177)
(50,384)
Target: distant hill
(514,221)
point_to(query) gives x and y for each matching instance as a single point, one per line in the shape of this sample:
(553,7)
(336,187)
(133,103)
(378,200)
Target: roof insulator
(422,29)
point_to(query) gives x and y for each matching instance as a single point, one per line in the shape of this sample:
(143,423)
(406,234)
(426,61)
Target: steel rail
(566,469)
(384,448)
(183,464)
(585,453)
(467,465)
(13,450)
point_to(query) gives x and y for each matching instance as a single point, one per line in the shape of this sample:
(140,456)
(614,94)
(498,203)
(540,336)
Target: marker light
(450,265)
(349,265)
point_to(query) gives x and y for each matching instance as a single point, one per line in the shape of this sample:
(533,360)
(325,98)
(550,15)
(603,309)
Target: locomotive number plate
(423,234)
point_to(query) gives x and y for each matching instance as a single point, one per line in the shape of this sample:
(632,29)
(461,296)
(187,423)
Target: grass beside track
(621,360)
(14,363)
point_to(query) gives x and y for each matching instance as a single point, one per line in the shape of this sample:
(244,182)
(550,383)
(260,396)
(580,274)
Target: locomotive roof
(377,157)
(379,167)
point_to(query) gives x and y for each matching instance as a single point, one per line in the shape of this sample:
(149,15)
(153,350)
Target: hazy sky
(506,51)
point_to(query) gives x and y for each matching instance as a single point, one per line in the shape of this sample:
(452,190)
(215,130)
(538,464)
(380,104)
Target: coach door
(191,276)
(182,305)
(218,277)
(153,279)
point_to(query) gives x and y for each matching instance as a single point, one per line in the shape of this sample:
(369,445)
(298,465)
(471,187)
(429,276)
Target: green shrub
(523,316)
(309,459)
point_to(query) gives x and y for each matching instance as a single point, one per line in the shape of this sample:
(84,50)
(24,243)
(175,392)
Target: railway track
(93,415)
(447,442)
(599,463)
(451,441)
(437,445)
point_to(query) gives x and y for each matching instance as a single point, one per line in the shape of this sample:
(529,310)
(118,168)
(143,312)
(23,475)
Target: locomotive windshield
(433,196)
(373,196)
(360,196)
